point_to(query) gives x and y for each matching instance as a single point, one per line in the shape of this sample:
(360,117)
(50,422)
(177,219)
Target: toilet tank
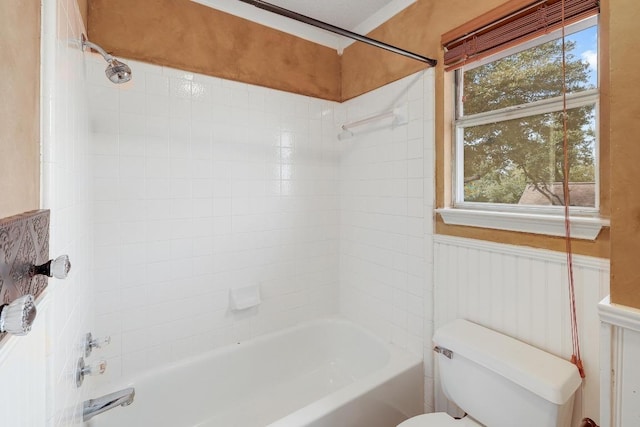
(502,382)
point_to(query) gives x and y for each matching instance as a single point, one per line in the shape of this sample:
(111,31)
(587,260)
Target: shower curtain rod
(341,31)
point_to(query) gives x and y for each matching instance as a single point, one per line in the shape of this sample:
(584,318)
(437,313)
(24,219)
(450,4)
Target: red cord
(575,358)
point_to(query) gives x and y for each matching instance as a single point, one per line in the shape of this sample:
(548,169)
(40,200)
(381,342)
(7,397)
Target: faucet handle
(97,368)
(16,318)
(90,343)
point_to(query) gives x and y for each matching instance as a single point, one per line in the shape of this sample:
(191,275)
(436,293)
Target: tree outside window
(510,125)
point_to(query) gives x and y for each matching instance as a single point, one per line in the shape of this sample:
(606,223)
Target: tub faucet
(93,407)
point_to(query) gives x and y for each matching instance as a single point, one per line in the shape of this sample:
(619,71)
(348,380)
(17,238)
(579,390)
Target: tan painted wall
(418,28)
(186,35)
(20,106)
(82,5)
(624,16)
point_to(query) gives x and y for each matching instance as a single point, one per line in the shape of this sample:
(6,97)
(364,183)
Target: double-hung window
(508,132)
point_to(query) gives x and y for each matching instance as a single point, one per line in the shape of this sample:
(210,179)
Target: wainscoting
(523,292)
(619,368)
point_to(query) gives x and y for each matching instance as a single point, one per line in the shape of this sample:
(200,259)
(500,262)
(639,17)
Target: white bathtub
(325,373)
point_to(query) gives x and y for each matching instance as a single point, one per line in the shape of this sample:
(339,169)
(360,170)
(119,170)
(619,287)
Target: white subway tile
(131,145)
(133,188)
(157,85)
(157,167)
(102,97)
(193,198)
(131,167)
(158,106)
(104,121)
(132,102)
(156,146)
(105,189)
(202,208)
(134,363)
(180,108)
(131,123)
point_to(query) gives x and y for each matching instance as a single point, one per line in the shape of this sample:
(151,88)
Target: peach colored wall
(187,35)
(418,28)
(624,16)
(20,106)
(82,6)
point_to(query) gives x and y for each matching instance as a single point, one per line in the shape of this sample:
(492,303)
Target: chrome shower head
(117,72)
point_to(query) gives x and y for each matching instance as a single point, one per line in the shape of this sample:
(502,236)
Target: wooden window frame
(445,99)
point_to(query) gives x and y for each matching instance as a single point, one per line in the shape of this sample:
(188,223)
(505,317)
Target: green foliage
(501,158)
(493,186)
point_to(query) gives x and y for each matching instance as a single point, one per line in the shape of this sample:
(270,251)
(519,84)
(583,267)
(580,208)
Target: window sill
(586,228)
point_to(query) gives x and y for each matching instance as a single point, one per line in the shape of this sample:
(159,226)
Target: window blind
(503,32)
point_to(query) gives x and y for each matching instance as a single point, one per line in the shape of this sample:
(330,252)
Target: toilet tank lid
(542,373)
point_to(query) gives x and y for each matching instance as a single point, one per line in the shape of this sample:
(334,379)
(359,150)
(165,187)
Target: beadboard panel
(523,293)
(619,370)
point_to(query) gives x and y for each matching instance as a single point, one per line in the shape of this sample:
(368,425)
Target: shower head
(117,72)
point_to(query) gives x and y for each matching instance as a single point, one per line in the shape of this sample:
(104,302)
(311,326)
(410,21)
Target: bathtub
(324,373)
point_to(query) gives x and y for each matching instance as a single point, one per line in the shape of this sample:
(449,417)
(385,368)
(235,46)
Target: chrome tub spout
(93,407)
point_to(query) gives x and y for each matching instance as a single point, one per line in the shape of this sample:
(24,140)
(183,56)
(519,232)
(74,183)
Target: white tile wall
(37,370)
(64,192)
(23,372)
(523,292)
(385,236)
(198,185)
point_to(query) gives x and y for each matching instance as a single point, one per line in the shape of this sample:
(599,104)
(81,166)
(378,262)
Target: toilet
(499,381)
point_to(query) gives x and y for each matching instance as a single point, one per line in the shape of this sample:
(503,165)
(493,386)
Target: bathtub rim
(399,361)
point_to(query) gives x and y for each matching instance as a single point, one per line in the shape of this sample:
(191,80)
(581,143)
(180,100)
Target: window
(509,128)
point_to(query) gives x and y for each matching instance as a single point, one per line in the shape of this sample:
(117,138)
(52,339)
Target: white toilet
(499,381)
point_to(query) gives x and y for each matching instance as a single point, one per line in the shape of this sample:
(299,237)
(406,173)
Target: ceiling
(359,16)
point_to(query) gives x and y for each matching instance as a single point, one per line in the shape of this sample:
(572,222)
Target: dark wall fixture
(24,243)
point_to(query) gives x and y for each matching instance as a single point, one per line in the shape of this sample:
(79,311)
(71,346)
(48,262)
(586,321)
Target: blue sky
(587,49)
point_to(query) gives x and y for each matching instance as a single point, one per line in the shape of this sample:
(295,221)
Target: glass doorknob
(17,317)
(58,268)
